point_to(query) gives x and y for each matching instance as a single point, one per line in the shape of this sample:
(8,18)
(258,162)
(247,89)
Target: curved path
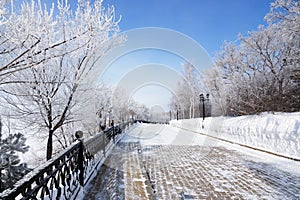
(144,167)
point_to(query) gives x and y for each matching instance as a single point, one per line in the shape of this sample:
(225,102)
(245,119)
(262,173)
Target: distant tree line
(185,102)
(259,72)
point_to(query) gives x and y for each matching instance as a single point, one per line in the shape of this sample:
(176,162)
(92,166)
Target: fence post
(114,134)
(80,162)
(0,180)
(0,144)
(113,130)
(79,135)
(103,142)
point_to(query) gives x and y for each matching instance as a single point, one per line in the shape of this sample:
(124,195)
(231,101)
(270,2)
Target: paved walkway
(188,172)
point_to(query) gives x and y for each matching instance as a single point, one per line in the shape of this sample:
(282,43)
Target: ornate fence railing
(64,176)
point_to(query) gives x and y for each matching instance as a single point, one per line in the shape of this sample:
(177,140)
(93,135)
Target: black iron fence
(64,176)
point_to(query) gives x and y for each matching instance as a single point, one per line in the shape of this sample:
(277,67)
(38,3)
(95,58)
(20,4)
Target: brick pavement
(189,172)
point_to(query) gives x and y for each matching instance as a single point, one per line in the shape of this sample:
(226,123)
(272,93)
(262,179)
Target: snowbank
(278,133)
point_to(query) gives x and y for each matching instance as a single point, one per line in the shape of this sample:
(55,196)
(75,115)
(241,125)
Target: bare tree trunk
(49,145)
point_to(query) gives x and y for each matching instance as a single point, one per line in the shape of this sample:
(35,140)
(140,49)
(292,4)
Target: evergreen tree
(11,170)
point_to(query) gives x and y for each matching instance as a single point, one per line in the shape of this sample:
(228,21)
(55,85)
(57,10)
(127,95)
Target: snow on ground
(278,133)
(157,134)
(165,162)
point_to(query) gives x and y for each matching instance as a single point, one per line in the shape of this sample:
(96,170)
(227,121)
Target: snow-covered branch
(259,72)
(45,57)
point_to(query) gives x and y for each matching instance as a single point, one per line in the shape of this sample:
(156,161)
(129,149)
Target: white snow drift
(278,133)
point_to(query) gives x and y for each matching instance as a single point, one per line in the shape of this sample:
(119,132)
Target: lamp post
(109,116)
(203,99)
(177,112)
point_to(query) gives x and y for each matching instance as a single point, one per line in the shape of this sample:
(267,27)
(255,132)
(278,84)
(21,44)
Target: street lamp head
(207,96)
(201,96)
(78,134)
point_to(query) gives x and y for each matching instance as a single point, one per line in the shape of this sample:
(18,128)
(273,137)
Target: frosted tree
(120,104)
(284,16)
(254,73)
(50,94)
(25,38)
(186,97)
(4,13)
(142,112)
(97,112)
(215,86)
(259,72)
(11,170)
(103,103)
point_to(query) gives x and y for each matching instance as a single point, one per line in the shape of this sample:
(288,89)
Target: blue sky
(209,22)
